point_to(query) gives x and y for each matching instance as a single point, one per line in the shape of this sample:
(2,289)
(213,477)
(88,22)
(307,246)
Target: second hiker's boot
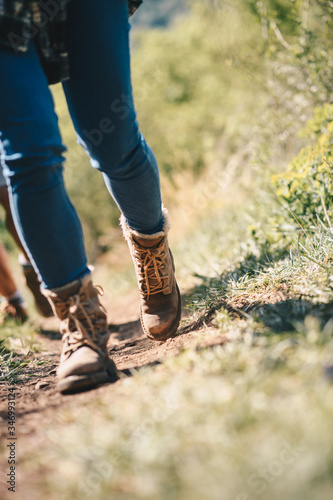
(13,309)
(155,271)
(41,303)
(84,361)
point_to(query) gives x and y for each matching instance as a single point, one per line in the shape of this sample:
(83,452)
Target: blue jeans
(99,97)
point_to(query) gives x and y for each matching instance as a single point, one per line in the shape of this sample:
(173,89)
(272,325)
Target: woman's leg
(31,152)
(99,96)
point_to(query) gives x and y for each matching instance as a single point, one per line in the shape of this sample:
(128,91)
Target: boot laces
(80,328)
(151,263)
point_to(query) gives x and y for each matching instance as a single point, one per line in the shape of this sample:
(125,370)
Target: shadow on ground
(278,309)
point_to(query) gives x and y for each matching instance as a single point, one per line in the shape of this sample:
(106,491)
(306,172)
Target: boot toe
(161,323)
(85,370)
(157,326)
(83,361)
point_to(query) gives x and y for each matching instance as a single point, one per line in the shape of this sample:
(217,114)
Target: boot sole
(173,329)
(78,383)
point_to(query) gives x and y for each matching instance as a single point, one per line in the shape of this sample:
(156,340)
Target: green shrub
(306,188)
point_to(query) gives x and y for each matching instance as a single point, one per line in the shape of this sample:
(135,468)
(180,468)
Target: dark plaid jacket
(45,22)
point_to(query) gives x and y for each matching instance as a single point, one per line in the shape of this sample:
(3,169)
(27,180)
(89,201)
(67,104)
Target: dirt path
(38,402)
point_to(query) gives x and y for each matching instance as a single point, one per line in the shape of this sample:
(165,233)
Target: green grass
(17,344)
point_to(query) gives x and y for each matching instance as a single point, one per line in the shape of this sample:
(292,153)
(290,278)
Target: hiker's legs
(30,275)
(14,306)
(7,283)
(99,96)
(31,151)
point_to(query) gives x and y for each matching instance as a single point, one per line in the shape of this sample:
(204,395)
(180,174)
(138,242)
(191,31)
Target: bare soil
(39,402)
(37,398)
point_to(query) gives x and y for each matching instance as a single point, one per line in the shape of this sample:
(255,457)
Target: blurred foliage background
(224,78)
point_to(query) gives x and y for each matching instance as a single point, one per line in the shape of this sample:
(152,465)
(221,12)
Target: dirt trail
(38,402)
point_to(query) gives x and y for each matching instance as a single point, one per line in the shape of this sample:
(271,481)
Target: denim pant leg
(99,96)
(31,152)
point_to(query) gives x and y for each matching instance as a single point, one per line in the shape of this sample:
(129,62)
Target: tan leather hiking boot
(155,271)
(84,361)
